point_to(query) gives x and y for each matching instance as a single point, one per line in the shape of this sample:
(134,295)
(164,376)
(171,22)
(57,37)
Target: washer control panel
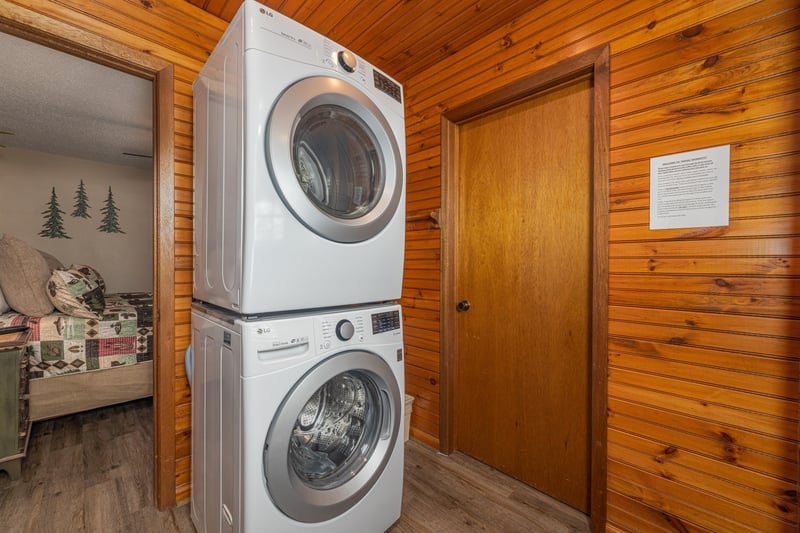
(387,321)
(338,331)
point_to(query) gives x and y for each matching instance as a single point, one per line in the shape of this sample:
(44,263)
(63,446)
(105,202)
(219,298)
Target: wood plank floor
(92,472)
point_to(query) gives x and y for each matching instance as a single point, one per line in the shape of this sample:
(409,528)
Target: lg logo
(267,13)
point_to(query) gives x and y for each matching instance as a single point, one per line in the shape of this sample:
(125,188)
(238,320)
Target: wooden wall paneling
(694,320)
(684,506)
(767,494)
(707,265)
(633,515)
(750,158)
(774,416)
(693,407)
(717,449)
(757,187)
(703,339)
(538,39)
(716,71)
(787,308)
(765,453)
(717,27)
(764,128)
(783,370)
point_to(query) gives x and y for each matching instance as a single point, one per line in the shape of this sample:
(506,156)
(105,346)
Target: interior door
(524,266)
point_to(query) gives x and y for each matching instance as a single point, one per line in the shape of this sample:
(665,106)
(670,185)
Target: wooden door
(523,259)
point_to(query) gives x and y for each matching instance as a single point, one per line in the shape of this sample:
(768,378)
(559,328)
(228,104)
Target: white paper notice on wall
(690,189)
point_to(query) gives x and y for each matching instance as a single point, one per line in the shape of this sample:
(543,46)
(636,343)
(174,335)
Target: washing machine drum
(333,159)
(332,437)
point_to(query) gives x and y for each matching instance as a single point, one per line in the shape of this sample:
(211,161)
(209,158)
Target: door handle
(462,306)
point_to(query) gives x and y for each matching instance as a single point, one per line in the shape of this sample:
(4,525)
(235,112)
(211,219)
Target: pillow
(23,277)
(52,262)
(3,305)
(76,295)
(92,274)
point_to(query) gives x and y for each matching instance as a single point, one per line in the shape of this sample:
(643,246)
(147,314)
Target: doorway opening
(566,80)
(39,28)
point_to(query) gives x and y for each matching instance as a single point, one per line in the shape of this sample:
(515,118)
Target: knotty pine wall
(704,347)
(183,35)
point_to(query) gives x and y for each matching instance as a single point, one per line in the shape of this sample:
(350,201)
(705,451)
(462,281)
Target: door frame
(596,62)
(53,33)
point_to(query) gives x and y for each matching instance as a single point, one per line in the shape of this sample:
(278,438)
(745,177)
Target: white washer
(299,171)
(297,421)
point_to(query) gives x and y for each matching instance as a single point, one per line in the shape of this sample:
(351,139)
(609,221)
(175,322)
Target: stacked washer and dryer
(297,348)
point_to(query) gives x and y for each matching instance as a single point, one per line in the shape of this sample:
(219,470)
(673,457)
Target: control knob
(347,60)
(345,330)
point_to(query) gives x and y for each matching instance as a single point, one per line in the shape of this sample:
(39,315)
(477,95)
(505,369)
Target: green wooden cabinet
(14,424)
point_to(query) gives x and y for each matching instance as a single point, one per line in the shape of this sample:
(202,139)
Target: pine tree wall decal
(110,222)
(53,226)
(81,203)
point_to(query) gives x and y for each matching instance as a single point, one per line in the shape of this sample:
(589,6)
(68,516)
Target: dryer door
(332,436)
(334,159)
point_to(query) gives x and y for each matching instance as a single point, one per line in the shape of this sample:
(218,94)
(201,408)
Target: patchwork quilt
(63,344)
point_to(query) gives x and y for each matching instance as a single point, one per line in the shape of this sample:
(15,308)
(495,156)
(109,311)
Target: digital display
(382,322)
(382,83)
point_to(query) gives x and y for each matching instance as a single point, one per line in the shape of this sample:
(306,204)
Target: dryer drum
(337,162)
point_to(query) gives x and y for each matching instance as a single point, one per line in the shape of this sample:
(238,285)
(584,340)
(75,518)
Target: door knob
(462,306)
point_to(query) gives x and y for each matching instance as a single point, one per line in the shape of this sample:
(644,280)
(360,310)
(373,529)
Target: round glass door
(334,160)
(332,436)
(337,162)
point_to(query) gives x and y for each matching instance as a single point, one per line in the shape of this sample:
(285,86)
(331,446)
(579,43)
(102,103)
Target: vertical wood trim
(595,60)
(164,284)
(448,343)
(600,217)
(49,32)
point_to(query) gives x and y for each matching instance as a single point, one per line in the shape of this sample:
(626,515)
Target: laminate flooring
(93,472)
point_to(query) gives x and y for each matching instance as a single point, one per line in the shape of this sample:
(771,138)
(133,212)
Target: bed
(79,363)
(87,348)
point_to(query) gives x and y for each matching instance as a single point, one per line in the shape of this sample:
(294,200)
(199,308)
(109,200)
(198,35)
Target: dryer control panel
(383,83)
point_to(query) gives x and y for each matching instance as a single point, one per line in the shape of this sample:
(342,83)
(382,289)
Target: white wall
(124,260)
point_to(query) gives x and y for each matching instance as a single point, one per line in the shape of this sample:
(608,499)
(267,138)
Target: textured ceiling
(401,37)
(58,103)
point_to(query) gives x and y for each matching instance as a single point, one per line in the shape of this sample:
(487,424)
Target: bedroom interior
(86,233)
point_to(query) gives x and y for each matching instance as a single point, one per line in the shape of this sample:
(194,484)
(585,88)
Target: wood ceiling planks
(400,37)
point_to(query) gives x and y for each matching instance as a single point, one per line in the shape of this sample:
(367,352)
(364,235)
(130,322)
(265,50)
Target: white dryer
(299,171)
(297,420)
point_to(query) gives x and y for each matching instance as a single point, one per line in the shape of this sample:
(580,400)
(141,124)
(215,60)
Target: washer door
(333,159)
(332,436)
